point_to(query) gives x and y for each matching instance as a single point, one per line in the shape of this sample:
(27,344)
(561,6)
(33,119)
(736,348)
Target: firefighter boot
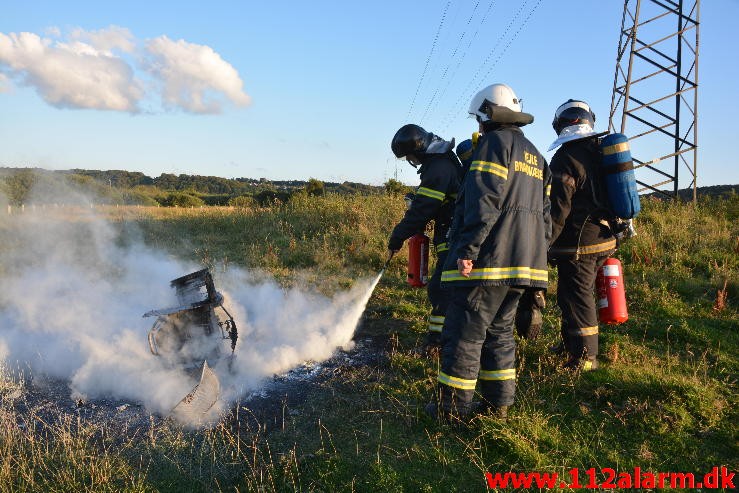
(582,364)
(558,349)
(529,319)
(432,344)
(498,412)
(450,408)
(485,407)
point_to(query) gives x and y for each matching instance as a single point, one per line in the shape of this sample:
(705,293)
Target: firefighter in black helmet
(440,172)
(581,234)
(499,240)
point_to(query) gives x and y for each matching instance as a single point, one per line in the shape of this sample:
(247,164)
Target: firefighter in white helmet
(498,247)
(582,238)
(440,172)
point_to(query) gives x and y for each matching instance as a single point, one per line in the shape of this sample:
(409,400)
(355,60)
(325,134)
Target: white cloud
(4,83)
(53,31)
(93,70)
(195,77)
(106,40)
(71,75)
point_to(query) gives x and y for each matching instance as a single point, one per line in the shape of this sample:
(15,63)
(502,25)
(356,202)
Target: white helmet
(495,95)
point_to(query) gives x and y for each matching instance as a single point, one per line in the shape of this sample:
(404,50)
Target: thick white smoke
(73,297)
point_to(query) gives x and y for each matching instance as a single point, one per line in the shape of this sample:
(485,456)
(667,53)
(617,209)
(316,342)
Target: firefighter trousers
(439,299)
(478,343)
(576,299)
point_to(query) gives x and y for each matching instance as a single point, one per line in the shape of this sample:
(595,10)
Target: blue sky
(294,90)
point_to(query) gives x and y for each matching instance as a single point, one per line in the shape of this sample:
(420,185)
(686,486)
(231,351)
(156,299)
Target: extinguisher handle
(390,255)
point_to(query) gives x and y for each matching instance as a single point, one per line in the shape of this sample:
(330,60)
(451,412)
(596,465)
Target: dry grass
(665,398)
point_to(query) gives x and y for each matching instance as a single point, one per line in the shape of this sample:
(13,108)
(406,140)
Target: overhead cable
(464,53)
(428,59)
(454,53)
(476,79)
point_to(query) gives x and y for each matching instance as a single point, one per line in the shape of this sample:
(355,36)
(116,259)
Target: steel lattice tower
(655,91)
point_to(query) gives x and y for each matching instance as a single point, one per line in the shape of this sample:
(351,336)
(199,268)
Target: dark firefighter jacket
(579,222)
(434,199)
(502,218)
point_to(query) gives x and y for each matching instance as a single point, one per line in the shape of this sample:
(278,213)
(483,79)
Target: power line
(469,45)
(515,35)
(428,59)
(475,80)
(454,53)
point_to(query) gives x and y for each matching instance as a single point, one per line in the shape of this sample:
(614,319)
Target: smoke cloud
(109,69)
(74,294)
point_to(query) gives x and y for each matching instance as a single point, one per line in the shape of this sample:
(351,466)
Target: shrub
(395,187)
(181,199)
(314,187)
(243,201)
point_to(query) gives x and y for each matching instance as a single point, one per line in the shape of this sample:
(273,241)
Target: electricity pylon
(655,91)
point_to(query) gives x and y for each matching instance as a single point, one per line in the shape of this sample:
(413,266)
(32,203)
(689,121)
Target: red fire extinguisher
(611,293)
(418,260)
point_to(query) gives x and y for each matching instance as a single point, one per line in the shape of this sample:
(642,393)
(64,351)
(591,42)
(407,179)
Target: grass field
(664,400)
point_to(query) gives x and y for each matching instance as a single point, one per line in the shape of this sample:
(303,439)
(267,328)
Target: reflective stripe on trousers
(576,300)
(478,343)
(436,322)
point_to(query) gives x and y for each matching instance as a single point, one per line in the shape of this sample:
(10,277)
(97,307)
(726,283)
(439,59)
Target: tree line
(35,185)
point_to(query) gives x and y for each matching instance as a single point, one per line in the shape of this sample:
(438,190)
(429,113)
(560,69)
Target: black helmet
(573,112)
(410,139)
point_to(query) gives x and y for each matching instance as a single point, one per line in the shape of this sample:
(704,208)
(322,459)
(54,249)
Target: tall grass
(664,399)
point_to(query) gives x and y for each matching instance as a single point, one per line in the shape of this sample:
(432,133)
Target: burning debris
(189,334)
(198,402)
(192,320)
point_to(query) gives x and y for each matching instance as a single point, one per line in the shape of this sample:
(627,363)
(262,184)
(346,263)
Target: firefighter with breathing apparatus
(582,235)
(498,247)
(440,172)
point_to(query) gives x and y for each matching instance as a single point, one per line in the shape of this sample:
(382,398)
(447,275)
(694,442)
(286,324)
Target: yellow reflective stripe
(586,249)
(509,374)
(549,190)
(497,273)
(434,194)
(457,383)
(442,247)
(582,331)
(436,323)
(616,148)
(589,331)
(488,167)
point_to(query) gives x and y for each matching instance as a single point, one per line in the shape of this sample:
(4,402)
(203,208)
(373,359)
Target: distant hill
(120,186)
(134,187)
(713,191)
